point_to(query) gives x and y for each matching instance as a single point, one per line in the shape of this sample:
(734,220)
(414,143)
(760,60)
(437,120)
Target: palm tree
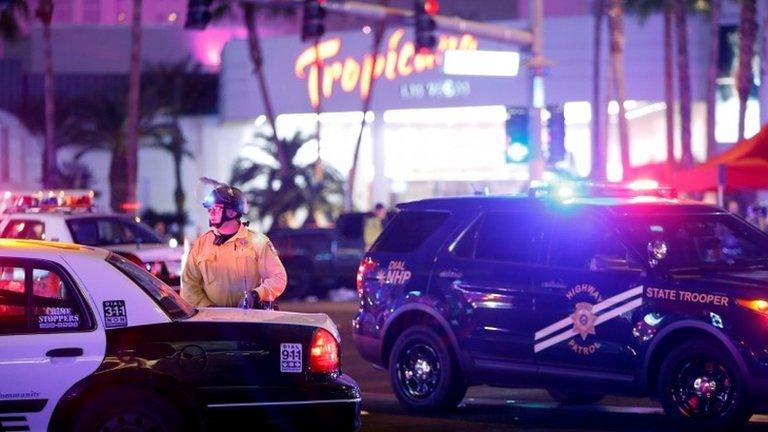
(11,28)
(615,12)
(598,106)
(643,9)
(276,191)
(44,13)
(747,36)
(712,71)
(134,88)
(681,27)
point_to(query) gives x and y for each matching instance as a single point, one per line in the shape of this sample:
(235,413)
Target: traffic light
(198,14)
(518,148)
(312,26)
(424,24)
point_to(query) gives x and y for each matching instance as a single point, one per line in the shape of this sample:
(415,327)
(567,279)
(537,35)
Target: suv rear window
(408,230)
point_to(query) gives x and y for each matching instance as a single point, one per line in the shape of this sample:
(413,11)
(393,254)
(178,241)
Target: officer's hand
(254,299)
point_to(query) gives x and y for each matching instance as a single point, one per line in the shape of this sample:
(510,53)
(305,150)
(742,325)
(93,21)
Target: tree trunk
(178,151)
(669,88)
(616,28)
(598,104)
(118,171)
(257,58)
(131,204)
(747,34)
(714,54)
(681,22)
(178,192)
(45,14)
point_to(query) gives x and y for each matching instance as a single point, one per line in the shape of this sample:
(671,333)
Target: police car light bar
(40,201)
(566,190)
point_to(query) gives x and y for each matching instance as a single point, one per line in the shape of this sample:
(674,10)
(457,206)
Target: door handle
(553,283)
(65,352)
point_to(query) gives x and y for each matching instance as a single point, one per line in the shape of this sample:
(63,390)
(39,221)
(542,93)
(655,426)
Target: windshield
(108,231)
(175,306)
(701,241)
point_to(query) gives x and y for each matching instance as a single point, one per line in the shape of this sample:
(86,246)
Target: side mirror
(609,262)
(657,252)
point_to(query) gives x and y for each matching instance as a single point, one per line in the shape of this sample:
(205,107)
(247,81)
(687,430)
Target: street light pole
(537,65)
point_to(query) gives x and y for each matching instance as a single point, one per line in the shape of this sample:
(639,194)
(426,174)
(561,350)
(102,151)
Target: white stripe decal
(257,404)
(597,308)
(634,304)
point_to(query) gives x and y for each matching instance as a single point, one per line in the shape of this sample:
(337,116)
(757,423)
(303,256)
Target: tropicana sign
(400,60)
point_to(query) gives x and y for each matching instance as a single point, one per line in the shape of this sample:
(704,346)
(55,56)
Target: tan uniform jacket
(217,275)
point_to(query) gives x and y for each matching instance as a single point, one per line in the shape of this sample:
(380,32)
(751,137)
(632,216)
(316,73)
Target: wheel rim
(418,369)
(703,387)
(132,422)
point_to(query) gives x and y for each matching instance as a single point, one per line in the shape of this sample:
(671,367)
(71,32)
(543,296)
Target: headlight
(758,305)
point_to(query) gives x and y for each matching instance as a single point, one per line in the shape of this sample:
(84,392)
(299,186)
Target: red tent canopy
(744,166)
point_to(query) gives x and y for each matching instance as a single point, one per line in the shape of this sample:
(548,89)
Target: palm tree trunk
(714,53)
(747,34)
(178,192)
(598,106)
(257,58)
(616,28)
(134,87)
(45,14)
(681,23)
(669,87)
(118,171)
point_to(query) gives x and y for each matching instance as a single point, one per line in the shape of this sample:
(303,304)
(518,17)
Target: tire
(575,397)
(423,373)
(701,388)
(130,410)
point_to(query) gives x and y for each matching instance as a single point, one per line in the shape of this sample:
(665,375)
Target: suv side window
(585,244)
(408,230)
(24,229)
(37,298)
(503,236)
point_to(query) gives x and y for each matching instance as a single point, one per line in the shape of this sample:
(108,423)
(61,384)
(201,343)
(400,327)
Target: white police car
(90,341)
(69,216)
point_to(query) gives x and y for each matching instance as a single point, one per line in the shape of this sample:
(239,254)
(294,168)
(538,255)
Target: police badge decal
(584,318)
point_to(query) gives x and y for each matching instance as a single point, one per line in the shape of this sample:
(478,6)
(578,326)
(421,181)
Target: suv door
(488,275)
(49,341)
(586,301)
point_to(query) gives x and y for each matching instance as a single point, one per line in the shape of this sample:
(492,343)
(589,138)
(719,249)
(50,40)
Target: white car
(79,224)
(91,341)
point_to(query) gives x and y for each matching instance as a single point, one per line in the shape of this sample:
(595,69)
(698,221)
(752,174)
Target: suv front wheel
(423,373)
(701,388)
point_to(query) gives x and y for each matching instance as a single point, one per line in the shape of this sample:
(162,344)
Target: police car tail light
(759,305)
(323,352)
(367,264)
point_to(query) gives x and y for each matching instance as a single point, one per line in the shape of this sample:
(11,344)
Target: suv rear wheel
(423,373)
(701,388)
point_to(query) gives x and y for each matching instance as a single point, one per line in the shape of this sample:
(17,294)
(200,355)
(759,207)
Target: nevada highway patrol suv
(68,216)
(608,290)
(89,341)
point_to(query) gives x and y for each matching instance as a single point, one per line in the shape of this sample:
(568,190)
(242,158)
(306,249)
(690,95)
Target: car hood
(220,314)
(149,252)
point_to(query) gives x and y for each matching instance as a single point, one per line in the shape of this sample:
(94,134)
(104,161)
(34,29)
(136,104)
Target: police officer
(230,264)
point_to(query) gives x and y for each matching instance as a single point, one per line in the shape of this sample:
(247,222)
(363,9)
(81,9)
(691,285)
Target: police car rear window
(409,230)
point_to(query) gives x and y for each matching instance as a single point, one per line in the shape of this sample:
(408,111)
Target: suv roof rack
(47,201)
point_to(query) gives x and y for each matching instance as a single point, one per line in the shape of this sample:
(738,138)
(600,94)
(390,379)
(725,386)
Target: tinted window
(25,229)
(43,303)
(508,236)
(408,230)
(169,301)
(585,243)
(110,231)
(13,310)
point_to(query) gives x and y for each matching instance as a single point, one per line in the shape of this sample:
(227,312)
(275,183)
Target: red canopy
(745,166)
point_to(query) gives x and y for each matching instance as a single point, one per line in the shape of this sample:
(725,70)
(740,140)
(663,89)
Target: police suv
(69,216)
(90,341)
(607,290)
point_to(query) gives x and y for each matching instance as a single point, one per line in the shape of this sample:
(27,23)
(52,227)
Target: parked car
(609,291)
(69,216)
(319,259)
(90,341)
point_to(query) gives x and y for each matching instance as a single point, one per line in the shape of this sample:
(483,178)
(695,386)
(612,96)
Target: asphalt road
(486,409)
